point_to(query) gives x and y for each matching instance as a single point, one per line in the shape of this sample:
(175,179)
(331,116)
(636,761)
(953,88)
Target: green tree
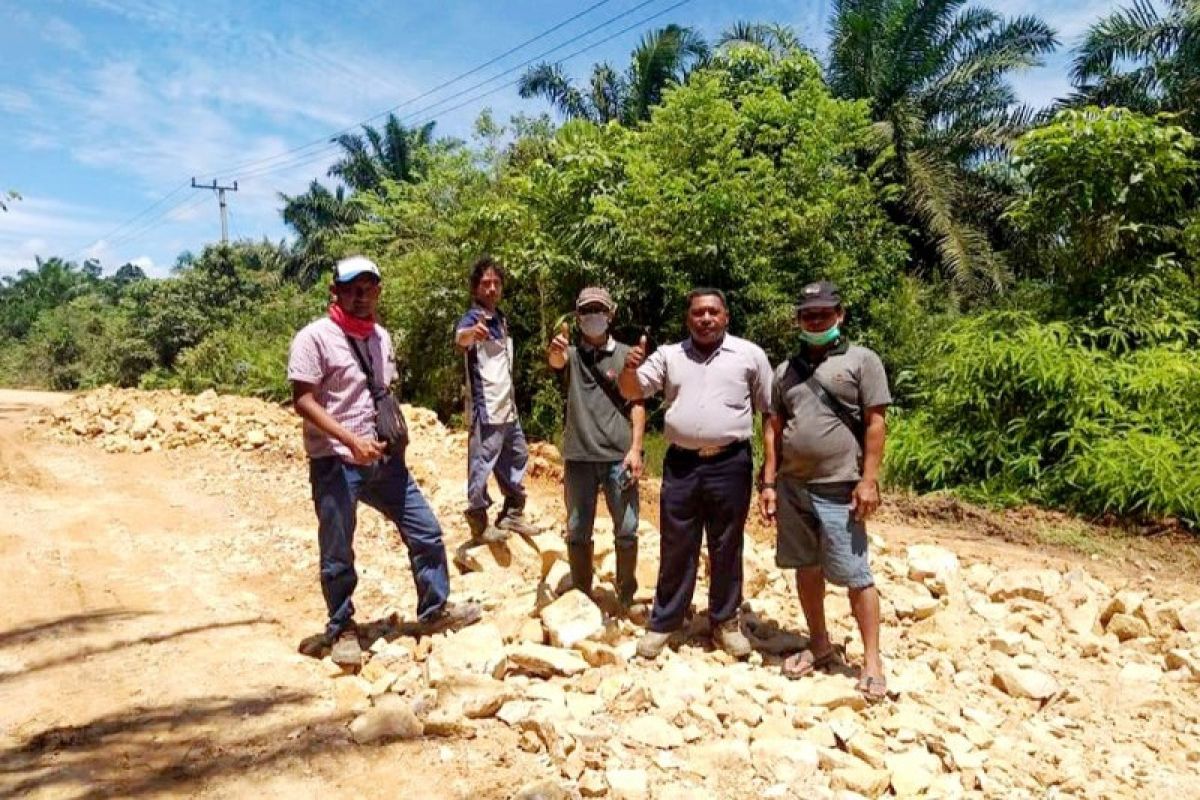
(936,76)
(1109,192)
(778,40)
(368,160)
(1143,59)
(52,283)
(664,57)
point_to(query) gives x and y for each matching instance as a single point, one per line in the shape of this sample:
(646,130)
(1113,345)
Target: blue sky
(109,106)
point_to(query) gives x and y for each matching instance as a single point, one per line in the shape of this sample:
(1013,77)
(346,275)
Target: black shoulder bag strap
(364,361)
(807,373)
(605,383)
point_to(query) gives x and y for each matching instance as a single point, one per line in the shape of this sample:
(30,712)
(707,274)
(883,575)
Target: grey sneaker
(515,521)
(346,652)
(729,637)
(652,643)
(453,617)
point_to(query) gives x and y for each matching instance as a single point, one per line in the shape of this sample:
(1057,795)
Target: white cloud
(62,33)
(15,101)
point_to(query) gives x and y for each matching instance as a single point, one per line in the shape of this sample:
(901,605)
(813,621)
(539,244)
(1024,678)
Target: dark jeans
(582,481)
(701,495)
(389,488)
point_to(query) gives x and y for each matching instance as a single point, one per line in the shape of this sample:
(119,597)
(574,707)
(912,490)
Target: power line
(328,148)
(325,140)
(185,184)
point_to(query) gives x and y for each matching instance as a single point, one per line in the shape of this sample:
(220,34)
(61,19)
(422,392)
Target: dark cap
(821,294)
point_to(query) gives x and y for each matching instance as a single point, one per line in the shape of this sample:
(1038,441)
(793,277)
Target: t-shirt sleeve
(468,319)
(778,404)
(762,379)
(304,359)
(873,383)
(652,374)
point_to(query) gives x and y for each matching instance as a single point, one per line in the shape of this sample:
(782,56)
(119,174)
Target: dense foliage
(1030,280)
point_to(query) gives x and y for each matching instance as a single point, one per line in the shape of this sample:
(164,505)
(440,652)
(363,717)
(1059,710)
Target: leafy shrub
(1011,409)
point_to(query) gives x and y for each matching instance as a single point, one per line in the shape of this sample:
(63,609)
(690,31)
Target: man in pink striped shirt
(338,365)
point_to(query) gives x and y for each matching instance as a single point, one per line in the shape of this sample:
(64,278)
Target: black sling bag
(390,425)
(807,373)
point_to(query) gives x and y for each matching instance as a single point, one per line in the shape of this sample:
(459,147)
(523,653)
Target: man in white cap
(602,442)
(339,367)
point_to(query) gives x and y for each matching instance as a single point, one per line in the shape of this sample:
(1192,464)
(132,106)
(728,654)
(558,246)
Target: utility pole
(220,190)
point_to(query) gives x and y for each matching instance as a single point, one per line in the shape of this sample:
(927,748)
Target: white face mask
(593,325)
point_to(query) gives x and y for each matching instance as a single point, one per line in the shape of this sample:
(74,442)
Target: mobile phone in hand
(626,478)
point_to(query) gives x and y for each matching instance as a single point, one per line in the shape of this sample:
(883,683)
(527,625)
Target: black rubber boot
(580,558)
(626,575)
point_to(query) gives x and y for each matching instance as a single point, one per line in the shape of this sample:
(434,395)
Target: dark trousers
(699,496)
(389,488)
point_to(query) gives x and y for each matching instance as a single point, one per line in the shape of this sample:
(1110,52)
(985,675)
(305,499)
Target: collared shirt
(320,354)
(489,366)
(597,427)
(712,398)
(817,445)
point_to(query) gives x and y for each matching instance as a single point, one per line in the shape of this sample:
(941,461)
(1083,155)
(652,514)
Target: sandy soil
(151,606)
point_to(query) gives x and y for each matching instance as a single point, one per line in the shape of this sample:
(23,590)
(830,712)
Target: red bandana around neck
(353,326)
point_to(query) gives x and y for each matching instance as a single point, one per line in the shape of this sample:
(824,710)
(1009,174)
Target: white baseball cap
(350,268)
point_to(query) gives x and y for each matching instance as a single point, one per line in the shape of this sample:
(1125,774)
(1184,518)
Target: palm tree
(392,152)
(368,159)
(935,76)
(1142,59)
(778,40)
(664,57)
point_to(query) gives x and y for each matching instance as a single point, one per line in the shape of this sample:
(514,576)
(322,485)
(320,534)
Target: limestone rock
(542,790)
(652,731)
(543,661)
(1184,659)
(912,600)
(867,781)
(477,649)
(1126,626)
(1023,682)
(1031,584)
(390,718)
(628,784)
(913,771)
(143,422)
(474,696)
(835,692)
(572,618)
(1189,617)
(934,566)
(1134,674)
(784,760)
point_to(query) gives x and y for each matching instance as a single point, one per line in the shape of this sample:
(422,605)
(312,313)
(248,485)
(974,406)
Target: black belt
(712,451)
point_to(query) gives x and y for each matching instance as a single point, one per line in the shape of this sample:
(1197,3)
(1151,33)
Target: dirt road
(151,606)
(151,609)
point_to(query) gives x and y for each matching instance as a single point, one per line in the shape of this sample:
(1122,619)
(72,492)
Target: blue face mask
(820,338)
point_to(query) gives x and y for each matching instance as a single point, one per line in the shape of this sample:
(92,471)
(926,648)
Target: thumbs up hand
(559,343)
(637,354)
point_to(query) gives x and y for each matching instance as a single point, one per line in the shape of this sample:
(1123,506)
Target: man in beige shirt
(714,383)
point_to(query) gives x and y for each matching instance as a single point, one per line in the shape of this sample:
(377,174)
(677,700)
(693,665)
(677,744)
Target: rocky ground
(1012,672)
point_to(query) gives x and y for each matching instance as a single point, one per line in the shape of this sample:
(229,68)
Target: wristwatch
(765,485)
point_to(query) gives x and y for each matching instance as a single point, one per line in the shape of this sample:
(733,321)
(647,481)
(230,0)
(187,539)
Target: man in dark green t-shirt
(602,442)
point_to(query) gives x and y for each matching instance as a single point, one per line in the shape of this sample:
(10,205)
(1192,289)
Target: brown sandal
(805,663)
(872,689)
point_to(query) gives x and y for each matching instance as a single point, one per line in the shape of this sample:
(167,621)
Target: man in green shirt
(602,442)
